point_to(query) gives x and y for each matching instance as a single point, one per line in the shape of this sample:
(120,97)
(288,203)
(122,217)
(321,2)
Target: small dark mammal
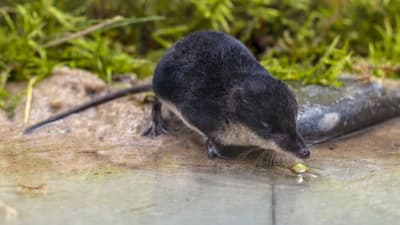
(214,84)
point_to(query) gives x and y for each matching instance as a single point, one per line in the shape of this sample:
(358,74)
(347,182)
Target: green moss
(33,41)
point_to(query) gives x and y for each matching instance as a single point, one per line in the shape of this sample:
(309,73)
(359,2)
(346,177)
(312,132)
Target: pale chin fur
(234,134)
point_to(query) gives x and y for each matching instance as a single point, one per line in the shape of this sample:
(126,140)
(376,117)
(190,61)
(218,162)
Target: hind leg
(157,125)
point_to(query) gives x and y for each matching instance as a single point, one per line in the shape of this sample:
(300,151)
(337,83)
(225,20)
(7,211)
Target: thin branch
(83,32)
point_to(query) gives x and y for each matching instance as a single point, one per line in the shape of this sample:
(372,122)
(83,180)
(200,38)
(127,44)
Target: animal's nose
(304,153)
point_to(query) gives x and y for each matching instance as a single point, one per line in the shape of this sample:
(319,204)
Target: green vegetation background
(313,41)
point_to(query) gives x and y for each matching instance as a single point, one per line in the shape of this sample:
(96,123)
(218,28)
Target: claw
(213,150)
(155,129)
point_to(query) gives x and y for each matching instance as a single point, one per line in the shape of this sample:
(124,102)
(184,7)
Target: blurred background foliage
(313,41)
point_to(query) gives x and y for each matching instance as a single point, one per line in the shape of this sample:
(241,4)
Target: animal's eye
(266,127)
(265,124)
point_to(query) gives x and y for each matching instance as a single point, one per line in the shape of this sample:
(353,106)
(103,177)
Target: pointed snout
(303,153)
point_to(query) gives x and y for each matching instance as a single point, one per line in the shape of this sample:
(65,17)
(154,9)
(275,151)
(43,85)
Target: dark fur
(213,79)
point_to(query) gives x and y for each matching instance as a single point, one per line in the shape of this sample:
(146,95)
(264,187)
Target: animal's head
(271,111)
(284,131)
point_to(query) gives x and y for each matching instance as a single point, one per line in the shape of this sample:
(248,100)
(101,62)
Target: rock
(114,123)
(64,89)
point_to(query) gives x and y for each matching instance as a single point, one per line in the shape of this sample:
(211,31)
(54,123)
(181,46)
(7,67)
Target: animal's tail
(92,103)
